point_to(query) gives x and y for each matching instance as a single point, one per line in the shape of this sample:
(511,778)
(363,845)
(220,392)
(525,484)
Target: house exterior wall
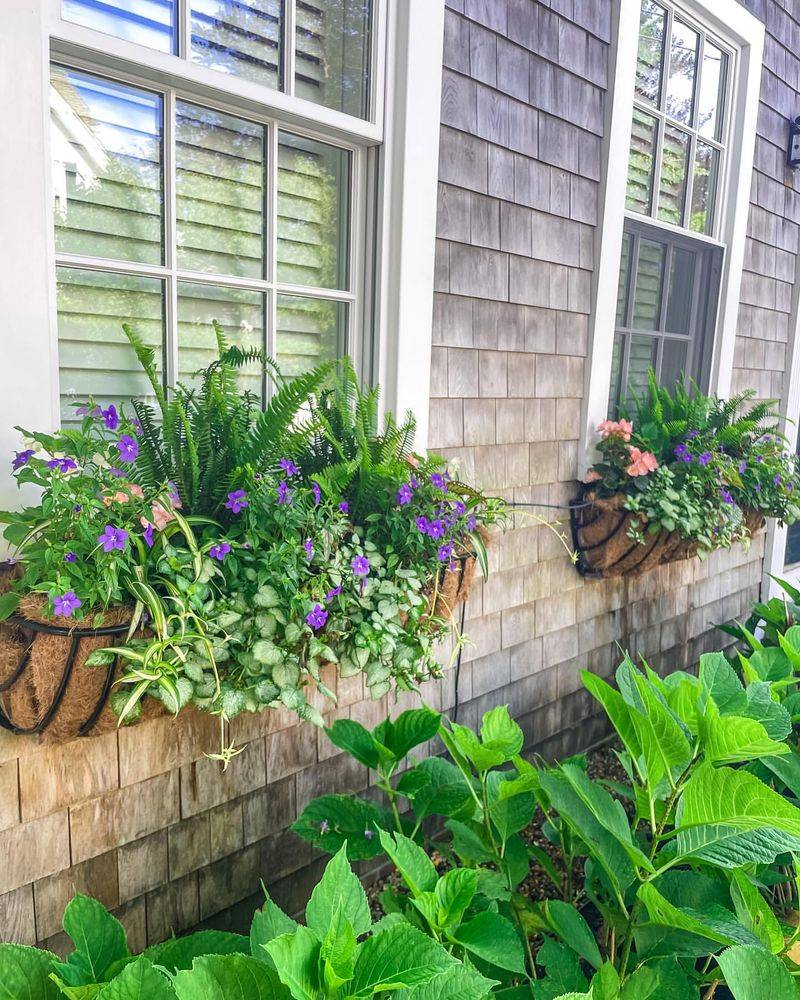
(152,827)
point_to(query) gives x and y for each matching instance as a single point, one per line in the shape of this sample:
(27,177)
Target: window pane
(309,331)
(673,361)
(616,374)
(650,63)
(313,210)
(711,99)
(624,280)
(95,358)
(640,165)
(220,192)
(704,191)
(242,37)
(146,22)
(106,150)
(332,40)
(647,299)
(641,358)
(681,290)
(240,312)
(682,72)
(674,172)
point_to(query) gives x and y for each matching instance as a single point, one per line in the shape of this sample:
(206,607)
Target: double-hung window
(175,204)
(672,249)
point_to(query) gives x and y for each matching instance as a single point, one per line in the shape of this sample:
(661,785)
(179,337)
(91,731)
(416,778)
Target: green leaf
(138,981)
(571,927)
(508,814)
(720,681)
(179,953)
(411,861)
(752,973)
(460,982)
(494,939)
(564,976)
(24,973)
(761,706)
(499,732)
(454,892)
(468,844)
(338,952)
(331,820)
(296,959)
(664,980)
(729,739)
(616,709)
(229,977)
(9,602)
(99,940)
(437,788)
(665,748)
(755,913)
(717,925)
(339,888)
(401,957)
(410,729)
(352,737)
(770,664)
(269,922)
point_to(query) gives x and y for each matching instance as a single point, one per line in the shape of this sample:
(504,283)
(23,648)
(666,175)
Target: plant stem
(712,989)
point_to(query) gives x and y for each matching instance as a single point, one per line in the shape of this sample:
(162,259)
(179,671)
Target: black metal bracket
(31,629)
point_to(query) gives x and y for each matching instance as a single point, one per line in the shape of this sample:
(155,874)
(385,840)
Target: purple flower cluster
(308,545)
(237,501)
(22,458)
(219,551)
(128,448)
(284,493)
(317,617)
(682,452)
(289,467)
(65,604)
(113,538)
(62,464)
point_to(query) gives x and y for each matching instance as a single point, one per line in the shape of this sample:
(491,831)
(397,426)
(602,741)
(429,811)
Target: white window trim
(745,33)
(397,222)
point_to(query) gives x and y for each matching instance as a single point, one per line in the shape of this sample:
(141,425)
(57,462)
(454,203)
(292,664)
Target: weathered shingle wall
(156,830)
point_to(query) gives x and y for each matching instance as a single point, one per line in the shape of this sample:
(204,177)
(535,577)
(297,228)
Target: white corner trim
(746,33)
(406,211)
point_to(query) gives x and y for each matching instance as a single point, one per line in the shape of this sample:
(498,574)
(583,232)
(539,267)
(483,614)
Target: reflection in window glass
(641,358)
(332,39)
(616,373)
(682,72)
(309,331)
(242,37)
(313,212)
(145,22)
(239,311)
(94,356)
(106,151)
(674,173)
(647,297)
(681,290)
(640,165)
(624,280)
(673,362)
(650,61)
(704,191)
(219,192)
(711,99)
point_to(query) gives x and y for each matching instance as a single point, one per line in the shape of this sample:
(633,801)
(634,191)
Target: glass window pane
(682,71)
(647,298)
(681,290)
(107,155)
(674,173)
(219,192)
(309,331)
(243,37)
(332,52)
(641,358)
(704,191)
(624,279)
(145,22)
(616,374)
(239,311)
(650,62)
(711,99)
(640,165)
(313,211)
(94,356)
(673,362)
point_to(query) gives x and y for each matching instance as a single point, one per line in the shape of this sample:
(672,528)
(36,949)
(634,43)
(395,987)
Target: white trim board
(745,33)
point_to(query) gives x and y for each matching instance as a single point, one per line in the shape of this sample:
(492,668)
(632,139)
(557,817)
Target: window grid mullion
(184,30)
(170,237)
(289,33)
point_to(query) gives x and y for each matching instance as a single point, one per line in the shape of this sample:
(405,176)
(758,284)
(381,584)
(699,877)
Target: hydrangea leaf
(24,973)
(138,981)
(752,972)
(221,977)
(338,889)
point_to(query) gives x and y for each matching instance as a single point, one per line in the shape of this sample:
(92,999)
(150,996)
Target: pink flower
(642,462)
(615,428)
(161,516)
(127,493)
(592,476)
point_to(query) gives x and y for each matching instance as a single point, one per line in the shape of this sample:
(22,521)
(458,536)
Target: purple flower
(777,480)
(317,492)
(422,525)
(758,487)
(438,481)
(62,464)
(148,534)
(82,411)
(174,496)
(289,467)
(333,592)
(445,552)
(705,458)
(65,604)
(237,501)
(789,487)
(308,545)
(404,494)
(317,617)
(435,529)
(759,458)
(219,551)
(137,426)
(472,522)
(128,448)
(77,509)
(360,566)
(460,507)
(113,538)
(22,458)
(742,466)
(70,557)
(284,493)
(693,434)
(117,473)
(111,417)
(726,496)
(344,507)
(369,834)
(324,826)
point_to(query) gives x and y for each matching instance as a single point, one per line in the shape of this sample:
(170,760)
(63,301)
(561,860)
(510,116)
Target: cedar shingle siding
(141,819)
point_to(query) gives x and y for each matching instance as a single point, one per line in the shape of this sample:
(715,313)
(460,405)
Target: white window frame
(743,33)
(394,226)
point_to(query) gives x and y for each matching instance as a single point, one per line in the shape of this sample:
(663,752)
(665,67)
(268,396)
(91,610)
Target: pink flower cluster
(615,428)
(642,462)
